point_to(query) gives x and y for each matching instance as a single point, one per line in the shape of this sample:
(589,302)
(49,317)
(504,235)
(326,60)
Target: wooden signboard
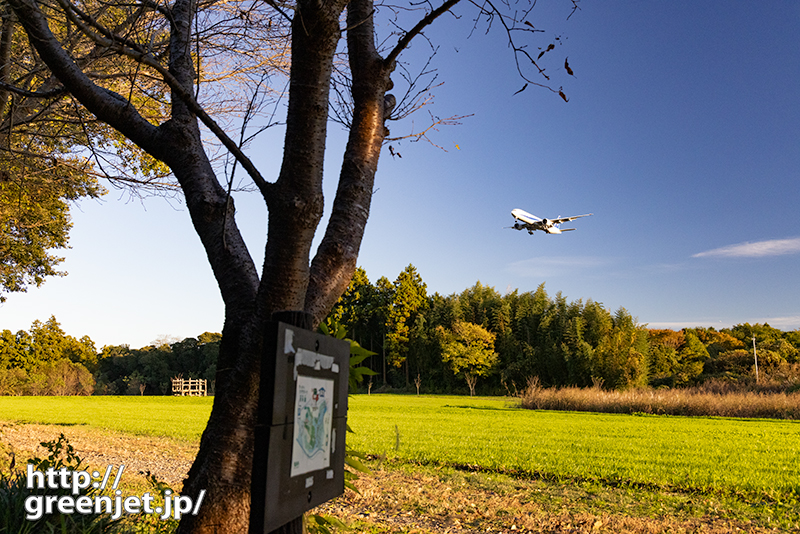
(298,462)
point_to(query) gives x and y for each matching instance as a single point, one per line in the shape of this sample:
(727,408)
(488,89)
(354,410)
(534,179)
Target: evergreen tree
(409,298)
(478,304)
(355,307)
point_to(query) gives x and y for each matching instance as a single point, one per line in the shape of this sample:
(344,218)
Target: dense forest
(46,361)
(476,341)
(534,335)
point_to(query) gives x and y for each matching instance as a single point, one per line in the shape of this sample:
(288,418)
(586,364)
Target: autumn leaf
(523,88)
(566,66)
(543,52)
(562,95)
(527,23)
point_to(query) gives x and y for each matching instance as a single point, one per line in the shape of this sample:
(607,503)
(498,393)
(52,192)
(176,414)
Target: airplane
(526,221)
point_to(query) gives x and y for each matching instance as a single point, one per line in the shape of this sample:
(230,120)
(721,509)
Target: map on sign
(311,446)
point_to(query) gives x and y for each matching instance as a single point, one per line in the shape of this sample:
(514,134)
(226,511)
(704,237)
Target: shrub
(14,492)
(59,377)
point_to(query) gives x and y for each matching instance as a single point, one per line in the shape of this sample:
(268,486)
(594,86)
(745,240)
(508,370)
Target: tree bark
(6,35)
(224,462)
(335,261)
(289,280)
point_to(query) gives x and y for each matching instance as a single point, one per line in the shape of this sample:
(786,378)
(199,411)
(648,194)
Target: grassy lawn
(703,453)
(607,466)
(178,417)
(757,457)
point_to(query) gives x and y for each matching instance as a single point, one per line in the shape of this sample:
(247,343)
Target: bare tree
(182,49)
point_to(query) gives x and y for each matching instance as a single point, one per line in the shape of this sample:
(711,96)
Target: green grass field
(757,459)
(697,454)
(178,417)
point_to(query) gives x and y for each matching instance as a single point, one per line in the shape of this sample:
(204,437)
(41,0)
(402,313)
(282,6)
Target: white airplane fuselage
(527,221)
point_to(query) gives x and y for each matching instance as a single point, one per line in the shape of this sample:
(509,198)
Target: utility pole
(755,357)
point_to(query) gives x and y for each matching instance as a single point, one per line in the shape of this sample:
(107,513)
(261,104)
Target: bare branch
(105,104)
(492,13)
(432,127)
(33,94)
(404,41)
(279,10)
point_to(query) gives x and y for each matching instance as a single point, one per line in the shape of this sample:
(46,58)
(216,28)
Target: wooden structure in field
(189,387)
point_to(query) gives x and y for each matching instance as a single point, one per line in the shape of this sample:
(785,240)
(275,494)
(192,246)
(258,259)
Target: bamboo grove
(473,341)
(536,336)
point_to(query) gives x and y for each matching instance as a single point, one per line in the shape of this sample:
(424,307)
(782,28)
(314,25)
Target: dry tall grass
(714,399)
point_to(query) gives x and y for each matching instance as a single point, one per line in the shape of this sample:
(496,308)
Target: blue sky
(681,135)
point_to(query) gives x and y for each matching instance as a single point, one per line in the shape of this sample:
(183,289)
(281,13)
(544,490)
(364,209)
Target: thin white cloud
(781,323)
(679,325)
(759,249)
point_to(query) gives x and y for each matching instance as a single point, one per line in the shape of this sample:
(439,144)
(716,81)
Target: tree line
(420,341)
(151,93)
(476,341)
(47,361)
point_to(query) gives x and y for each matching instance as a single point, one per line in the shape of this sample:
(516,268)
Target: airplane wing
(567,219)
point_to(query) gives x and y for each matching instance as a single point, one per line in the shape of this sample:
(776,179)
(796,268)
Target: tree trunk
(289,280)
(383,358)
(295,207)
(224,461)
(472,380)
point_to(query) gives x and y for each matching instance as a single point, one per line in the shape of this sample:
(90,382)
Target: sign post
(298,461)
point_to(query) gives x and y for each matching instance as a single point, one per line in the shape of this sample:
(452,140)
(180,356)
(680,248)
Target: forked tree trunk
(289,280)
(225,458)
(471,381)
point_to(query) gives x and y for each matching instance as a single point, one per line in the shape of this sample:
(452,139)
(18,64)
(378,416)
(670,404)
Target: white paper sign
(313,415)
